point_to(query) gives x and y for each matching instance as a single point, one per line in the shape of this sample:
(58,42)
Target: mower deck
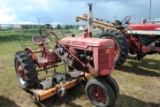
(40,94)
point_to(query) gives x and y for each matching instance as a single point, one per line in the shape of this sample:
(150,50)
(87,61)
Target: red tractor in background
(142,38)
(82,57)
(131,40)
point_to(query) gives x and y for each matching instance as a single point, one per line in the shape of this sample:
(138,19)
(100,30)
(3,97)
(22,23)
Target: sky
(65,11)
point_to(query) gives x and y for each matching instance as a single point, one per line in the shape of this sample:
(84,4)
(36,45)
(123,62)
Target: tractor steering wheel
(126,19)
(47,30)
(44,28)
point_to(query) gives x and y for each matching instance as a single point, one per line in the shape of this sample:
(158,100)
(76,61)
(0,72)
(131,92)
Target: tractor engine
(92,55)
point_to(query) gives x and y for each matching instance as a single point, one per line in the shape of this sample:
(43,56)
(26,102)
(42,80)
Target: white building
(80,28)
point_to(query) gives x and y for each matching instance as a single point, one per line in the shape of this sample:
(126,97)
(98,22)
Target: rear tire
(132,56)
(120,44)
(99,93)
(30,79)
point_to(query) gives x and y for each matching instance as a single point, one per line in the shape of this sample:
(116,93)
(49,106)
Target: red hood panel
(85,42)
(144,26)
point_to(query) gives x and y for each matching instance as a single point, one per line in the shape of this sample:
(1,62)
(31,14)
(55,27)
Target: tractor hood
(86,42)
(144,29)
(152,27)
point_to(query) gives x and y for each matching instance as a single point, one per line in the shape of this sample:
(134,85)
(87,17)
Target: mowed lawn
(139,83)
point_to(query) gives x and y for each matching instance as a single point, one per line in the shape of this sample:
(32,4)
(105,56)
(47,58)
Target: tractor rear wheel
(132,56)
(25,68)
(121,46)
(99,93)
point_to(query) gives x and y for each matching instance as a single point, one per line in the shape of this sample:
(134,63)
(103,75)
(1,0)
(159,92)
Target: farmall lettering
(78,43)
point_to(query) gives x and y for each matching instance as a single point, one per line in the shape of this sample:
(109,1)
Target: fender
(32,54)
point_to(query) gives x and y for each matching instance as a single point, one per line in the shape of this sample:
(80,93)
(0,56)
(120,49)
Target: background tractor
(131,40)
(82,57)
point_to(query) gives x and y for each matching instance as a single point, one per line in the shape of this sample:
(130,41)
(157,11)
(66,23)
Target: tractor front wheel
(121,46)
(112,83)
(25,70)
(99,93)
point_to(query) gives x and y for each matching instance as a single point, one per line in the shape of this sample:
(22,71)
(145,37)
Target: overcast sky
(65,11)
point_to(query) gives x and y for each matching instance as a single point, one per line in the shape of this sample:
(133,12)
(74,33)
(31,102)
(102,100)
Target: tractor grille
(103,59)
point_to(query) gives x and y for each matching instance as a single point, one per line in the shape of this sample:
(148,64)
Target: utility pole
(134,18)
(150,10)
(39,20)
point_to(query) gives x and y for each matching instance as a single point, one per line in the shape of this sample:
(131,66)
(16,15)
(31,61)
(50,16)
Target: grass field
(139,83)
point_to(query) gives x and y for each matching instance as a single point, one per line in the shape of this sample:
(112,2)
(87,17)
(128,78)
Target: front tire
(112,83)
(121,46)
(99,93)
(30,79)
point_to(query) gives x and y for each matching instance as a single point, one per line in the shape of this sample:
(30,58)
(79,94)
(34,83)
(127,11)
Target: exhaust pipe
(90,20)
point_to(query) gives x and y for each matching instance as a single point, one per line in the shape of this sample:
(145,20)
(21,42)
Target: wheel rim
(20,79)
(98,95)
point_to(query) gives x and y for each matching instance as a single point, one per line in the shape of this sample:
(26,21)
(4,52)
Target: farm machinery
(132,41)
(88,61)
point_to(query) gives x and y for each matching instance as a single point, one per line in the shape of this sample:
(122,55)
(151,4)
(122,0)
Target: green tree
(77,26)
(71,26)
(24,26)
(67,27)
(58,26)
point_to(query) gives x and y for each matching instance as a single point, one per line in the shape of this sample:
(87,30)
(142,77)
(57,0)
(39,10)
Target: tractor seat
(118,24)
(39,40)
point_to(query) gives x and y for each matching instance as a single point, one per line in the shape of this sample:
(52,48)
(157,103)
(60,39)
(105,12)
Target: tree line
(58,26)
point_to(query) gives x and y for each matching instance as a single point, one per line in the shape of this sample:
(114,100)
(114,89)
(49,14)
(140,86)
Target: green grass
(12,35)
(16,35)
(139,83)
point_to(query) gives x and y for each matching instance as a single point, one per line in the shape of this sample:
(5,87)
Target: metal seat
(39,40)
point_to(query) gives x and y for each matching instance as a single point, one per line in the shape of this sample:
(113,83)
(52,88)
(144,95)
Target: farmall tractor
(131,40)
(89,61)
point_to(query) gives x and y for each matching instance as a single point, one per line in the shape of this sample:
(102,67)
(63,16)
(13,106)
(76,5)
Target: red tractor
(131,40)
(83,57)
(142,39)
